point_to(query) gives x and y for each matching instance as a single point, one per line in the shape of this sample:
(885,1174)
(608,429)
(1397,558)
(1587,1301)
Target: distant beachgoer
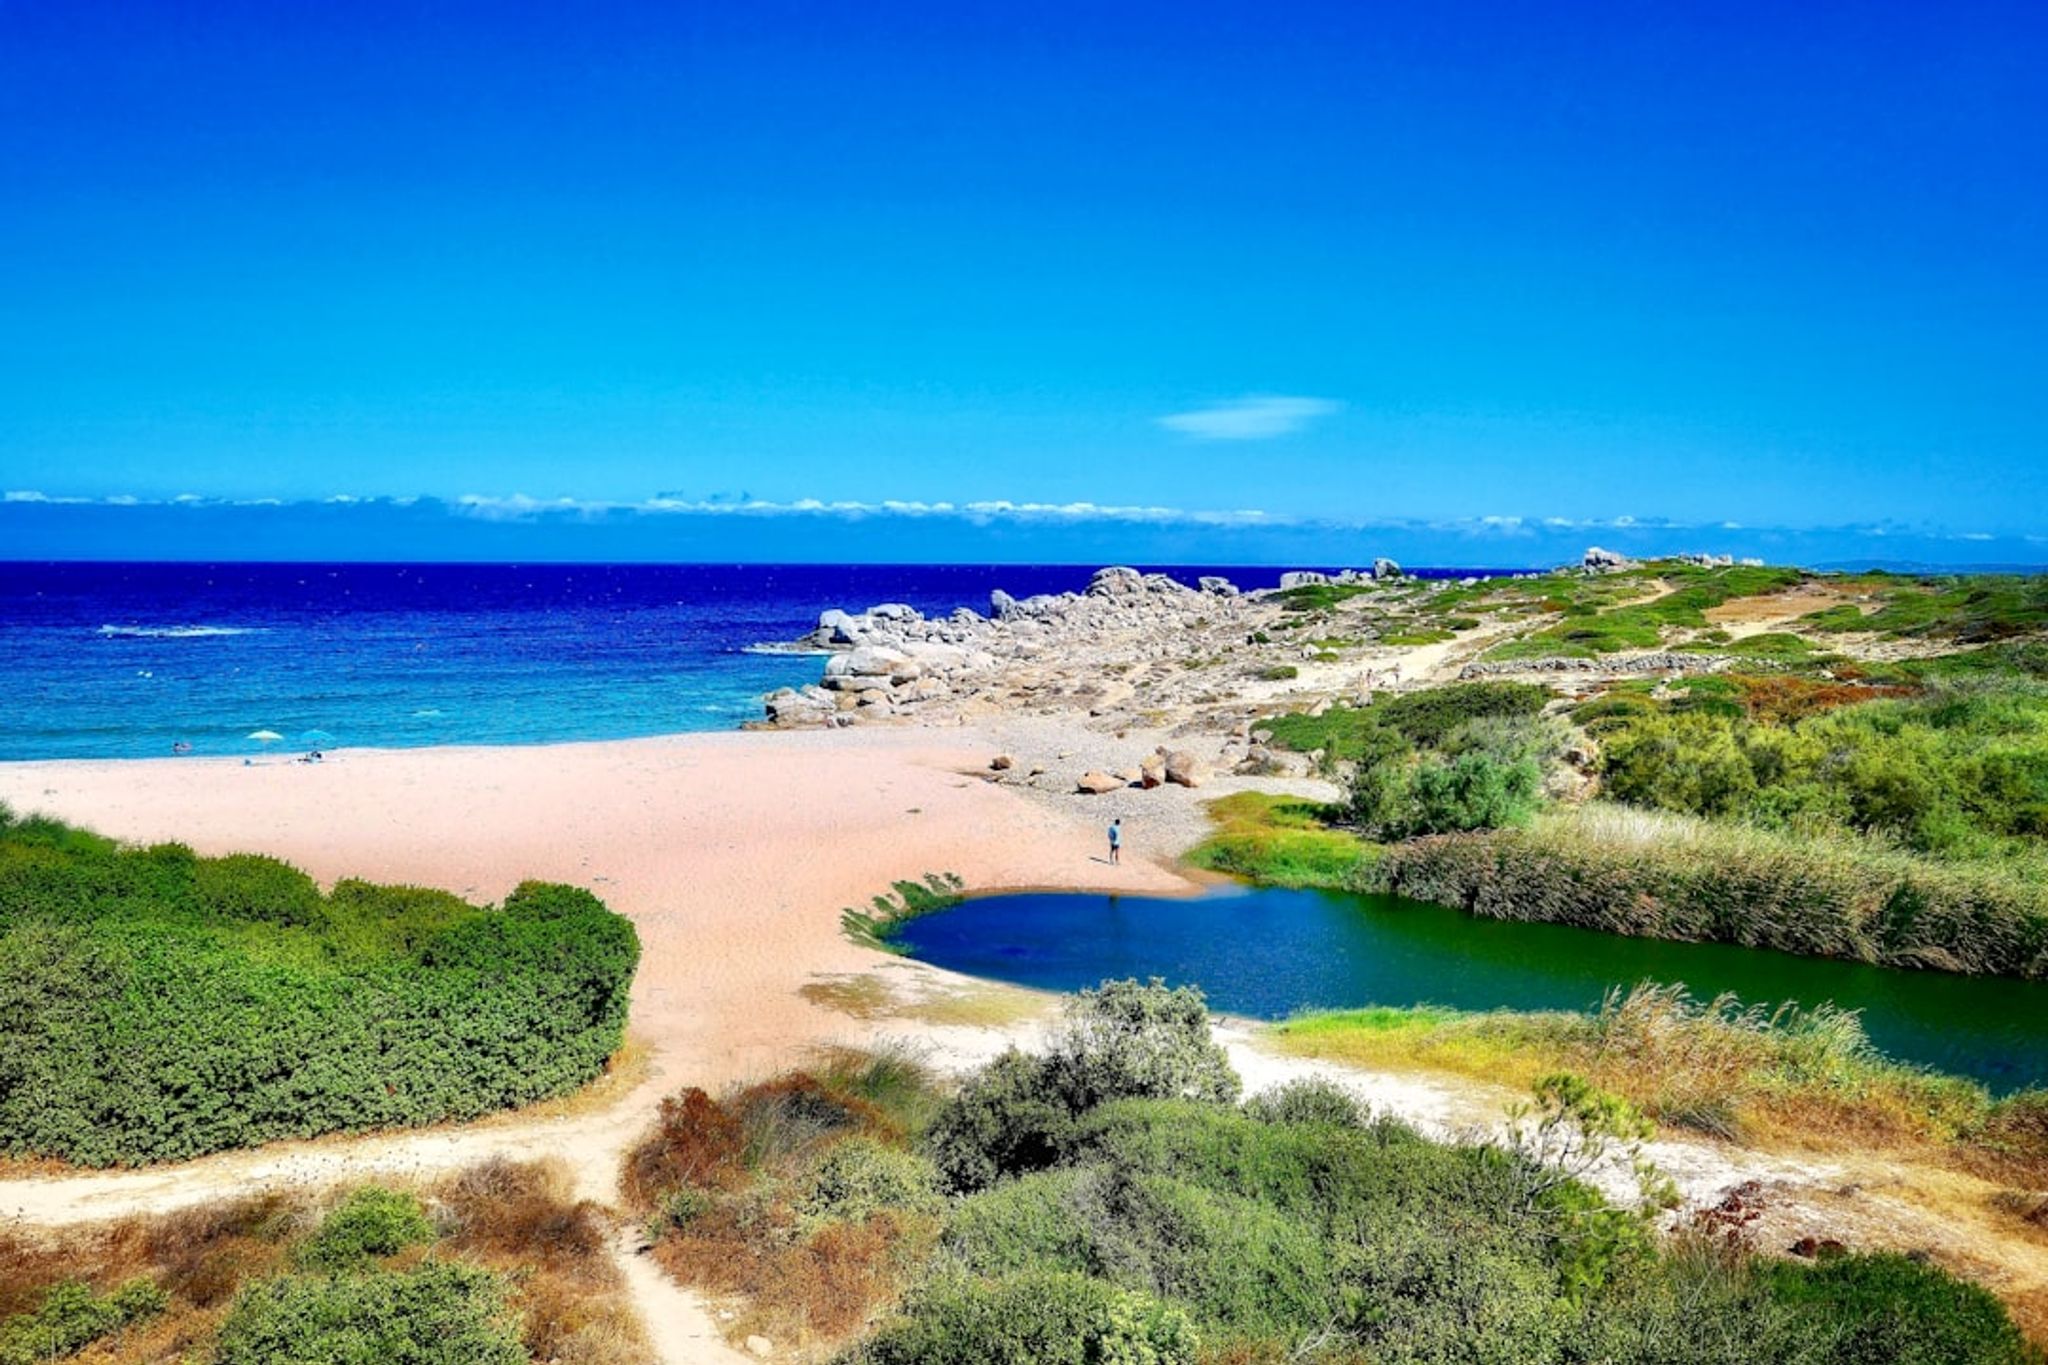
(182,747)
(1116,840)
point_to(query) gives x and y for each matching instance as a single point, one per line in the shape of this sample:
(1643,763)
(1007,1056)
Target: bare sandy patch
(1741,616)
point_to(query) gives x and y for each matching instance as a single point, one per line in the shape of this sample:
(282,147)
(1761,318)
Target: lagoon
(1268,953)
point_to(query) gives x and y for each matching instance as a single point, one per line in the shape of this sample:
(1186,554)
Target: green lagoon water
(1270,953)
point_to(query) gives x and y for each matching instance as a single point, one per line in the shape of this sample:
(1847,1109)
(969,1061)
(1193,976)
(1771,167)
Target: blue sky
(1259,267)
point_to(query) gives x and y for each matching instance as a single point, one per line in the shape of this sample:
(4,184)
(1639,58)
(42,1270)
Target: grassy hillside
(155,1005)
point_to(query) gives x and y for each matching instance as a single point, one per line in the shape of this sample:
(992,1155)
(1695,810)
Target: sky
(1242,281)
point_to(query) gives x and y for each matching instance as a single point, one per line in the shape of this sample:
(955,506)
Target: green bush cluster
(1309,1101)
(155,1005)
(440,1313)
(1967,607)
(72,1316)
(369,1223)
(1153,1229)
(1035,1318)
(1960,771)
(1404,721)
(1435,761)
(1121,1040)
(861,1176)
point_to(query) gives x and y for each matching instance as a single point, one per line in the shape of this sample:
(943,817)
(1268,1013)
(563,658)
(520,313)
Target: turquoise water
(1270,953)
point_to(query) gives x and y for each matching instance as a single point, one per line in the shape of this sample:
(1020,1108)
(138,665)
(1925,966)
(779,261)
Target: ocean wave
(175,632)
(801,651)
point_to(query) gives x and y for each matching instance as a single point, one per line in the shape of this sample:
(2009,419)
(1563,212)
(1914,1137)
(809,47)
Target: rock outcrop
(1073,649)
(1664,661)
(1597,560)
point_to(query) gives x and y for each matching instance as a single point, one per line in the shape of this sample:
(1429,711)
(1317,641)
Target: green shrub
(1961,771)
(860,1177)
(1309,1100)
(1118,1041)
(246,886)
(157,1006)
(442,1313)
(369,1223)
(1404,721)
(1123,1040)
(1474,791)
(72,1316)
(1040,1318)
(1240,1266)
(1889,1309)
(1009,1118)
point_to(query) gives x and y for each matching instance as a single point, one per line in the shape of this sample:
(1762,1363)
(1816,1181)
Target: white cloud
(518,505)
(1257,417)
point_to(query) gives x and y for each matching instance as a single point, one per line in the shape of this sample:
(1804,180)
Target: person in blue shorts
(1116,839)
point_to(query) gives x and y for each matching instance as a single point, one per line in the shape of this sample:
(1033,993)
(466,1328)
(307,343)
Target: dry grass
(513,1218)
(1787,1079)
(1774,607)
(721,1180)
(867,996)
(200,1256)
(523,1219)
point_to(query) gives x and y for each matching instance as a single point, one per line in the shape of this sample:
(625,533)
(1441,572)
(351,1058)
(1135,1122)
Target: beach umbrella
(264,736)
(317,739)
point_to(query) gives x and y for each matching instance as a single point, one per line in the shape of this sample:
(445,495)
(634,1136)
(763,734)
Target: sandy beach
(732,854)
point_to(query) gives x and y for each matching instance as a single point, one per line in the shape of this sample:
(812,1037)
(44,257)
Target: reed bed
(1660,875)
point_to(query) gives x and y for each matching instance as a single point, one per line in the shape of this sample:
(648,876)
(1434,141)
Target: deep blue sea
(129,660)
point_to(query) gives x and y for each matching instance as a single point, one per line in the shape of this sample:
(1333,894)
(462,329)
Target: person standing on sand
(1116,839)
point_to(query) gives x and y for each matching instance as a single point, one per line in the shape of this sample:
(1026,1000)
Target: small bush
(443,1313)
(1033,1319)
(371,1222)
(1310,1101)
(1009,1118)
(1118,1041)
(1889,1309)
(861,1177)
(72,1316)
(1123,1040)
(694,1142)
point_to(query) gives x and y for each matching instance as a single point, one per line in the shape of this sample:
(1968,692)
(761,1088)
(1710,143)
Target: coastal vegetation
(156,1005)
(1895,812)
(876,925)
(1110,1200)
(1772,1077)
(495,1265)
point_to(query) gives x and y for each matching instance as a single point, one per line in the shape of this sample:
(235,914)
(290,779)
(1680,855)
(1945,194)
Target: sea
(166,659)
(101,660)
